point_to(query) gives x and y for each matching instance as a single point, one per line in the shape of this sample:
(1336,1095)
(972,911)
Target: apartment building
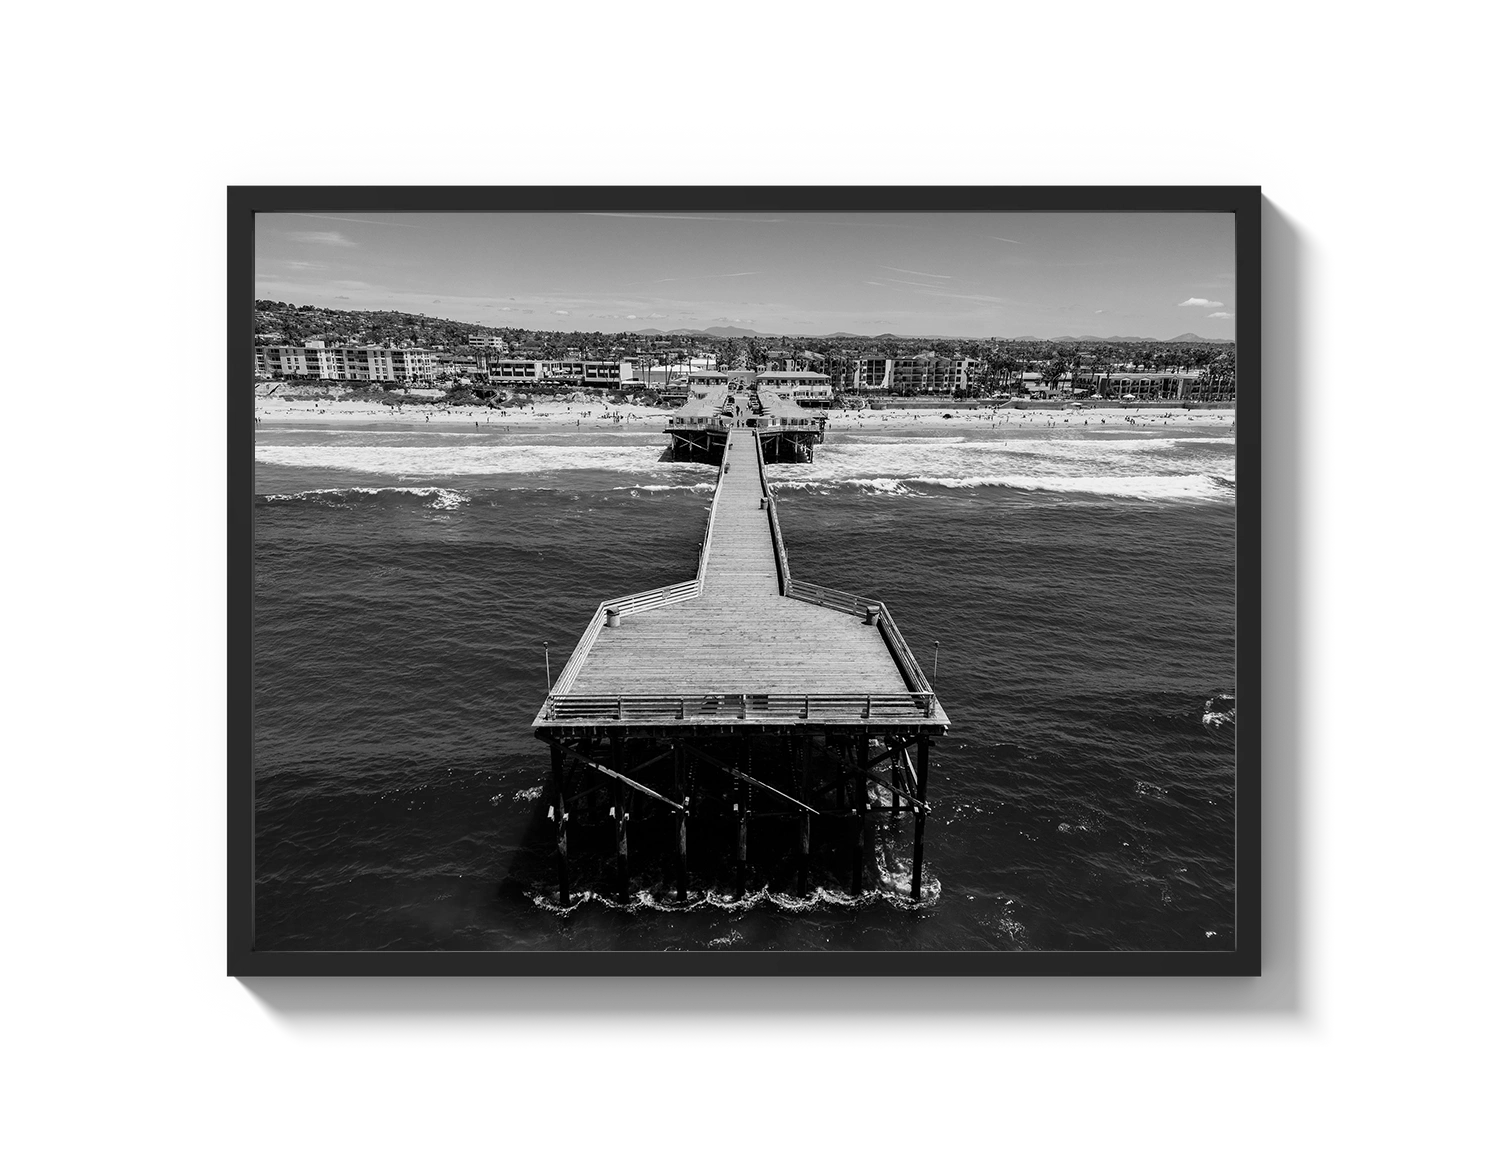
(803,386)
(921,374)
(573,372)
(344,363)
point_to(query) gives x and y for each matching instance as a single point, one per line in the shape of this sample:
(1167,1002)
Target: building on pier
(720,401)
(763,717)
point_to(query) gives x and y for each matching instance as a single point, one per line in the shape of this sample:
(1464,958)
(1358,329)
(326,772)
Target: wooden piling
(897,771)
(920,820)
(741,806)
(806,836)
(859,800)
(622,819)
(680,764)
(564,893)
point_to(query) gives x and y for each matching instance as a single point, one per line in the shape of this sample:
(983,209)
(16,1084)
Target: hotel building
(344,363)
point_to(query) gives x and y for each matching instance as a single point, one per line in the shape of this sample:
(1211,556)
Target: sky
(945,274)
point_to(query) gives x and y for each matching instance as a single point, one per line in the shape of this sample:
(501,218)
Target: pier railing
(856,604)
(667,708)
(783,567)
(630,603)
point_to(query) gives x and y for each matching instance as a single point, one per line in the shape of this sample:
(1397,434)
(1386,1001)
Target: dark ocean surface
(1081,585)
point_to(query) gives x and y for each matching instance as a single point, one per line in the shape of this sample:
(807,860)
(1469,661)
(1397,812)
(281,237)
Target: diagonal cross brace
(876,780)
(749,779)
(620,776)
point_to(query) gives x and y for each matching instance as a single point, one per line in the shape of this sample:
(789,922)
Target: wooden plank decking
(740,637)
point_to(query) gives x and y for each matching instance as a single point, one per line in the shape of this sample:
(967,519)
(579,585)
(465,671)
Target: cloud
(1005,239)
(1199,303)
(331,239)
(348,219)
(341,298)
(630,316)
(561,312)
(1223,316)
(1098,311)
(303,265)
(912,272)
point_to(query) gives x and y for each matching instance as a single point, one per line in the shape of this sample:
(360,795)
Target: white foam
(440,497)
(421,462)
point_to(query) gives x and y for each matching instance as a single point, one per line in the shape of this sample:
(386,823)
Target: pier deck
(743,642)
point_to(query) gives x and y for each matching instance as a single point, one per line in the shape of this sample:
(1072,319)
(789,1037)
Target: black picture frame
(317,999)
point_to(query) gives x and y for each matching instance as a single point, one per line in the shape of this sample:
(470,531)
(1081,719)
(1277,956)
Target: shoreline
(596,416)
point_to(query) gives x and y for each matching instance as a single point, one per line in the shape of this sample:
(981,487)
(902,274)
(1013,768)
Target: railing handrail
(629,603)
(713,513)
(783,567)
(904,657)
(737,704)
(854,603)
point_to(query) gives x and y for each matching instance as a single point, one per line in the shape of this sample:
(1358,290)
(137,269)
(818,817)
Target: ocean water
(1079,581)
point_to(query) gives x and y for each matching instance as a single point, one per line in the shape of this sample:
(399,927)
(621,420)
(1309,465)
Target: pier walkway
(742,642)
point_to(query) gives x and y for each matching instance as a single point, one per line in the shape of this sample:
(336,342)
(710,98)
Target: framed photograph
(766,580)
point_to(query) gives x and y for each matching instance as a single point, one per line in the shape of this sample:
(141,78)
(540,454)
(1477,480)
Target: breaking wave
(441,498)
(1219,711)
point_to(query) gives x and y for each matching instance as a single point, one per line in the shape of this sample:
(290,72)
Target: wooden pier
(742,694)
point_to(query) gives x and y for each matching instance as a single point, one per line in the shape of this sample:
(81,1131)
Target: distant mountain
(1187,337)
(1026,337)
(733,331)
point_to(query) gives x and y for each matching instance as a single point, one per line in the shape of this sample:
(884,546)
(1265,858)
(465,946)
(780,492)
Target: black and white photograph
(746,577)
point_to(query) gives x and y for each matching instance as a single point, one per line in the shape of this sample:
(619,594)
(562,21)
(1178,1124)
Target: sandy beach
(597,415)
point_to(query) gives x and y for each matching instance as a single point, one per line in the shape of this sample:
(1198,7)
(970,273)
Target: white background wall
(1388,114)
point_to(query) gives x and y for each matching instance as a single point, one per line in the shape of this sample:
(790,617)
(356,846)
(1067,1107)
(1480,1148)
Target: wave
(1191,488)
(891,891)
(704,488)
(1219,710)
(438,497)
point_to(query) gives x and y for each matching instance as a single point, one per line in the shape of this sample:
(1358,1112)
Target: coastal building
(1138,384)
(801,386)
(485,341)
(344,363)
(919,374)
(571,372)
